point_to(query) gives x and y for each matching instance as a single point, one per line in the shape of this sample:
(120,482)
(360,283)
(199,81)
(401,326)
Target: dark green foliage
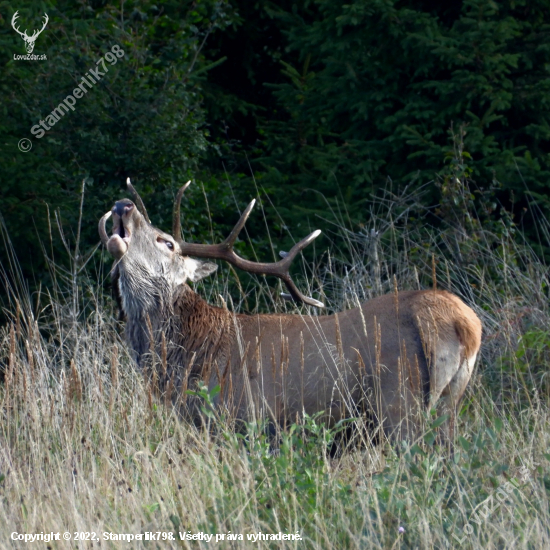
(370,90)
(143,119)
(314,105)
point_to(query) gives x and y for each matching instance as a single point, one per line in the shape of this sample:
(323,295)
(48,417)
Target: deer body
(391,357)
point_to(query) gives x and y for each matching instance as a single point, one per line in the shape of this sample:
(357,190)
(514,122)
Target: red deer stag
(385,358)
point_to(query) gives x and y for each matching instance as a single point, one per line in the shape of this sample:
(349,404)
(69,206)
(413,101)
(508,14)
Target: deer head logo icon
(29,40)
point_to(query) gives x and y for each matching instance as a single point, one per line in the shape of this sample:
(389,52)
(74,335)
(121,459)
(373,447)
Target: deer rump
(391,358)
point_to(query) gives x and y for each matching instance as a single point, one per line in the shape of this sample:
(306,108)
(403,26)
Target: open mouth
(122,231)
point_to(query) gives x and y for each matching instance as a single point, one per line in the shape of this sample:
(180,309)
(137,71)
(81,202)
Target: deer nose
(123,207)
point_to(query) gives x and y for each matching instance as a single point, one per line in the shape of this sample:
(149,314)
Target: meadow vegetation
(86,445)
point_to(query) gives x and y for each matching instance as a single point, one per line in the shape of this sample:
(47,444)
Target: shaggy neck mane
(194,332)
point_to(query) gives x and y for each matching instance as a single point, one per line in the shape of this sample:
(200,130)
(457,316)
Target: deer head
(157,263)
(29,40)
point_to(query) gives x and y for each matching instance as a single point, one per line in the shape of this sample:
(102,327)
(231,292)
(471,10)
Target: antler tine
(232,237)
(289,256)
(137,198)
(176,216)
(285,265)
(102,231)
(224,251)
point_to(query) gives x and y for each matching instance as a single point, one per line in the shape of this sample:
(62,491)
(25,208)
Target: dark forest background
(313,106)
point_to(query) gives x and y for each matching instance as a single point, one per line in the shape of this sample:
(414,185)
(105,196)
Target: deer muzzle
(117,243)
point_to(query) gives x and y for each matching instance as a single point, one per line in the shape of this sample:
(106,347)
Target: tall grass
(85,446)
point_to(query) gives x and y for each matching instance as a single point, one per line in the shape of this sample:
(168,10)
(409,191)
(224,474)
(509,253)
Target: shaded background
(313,106)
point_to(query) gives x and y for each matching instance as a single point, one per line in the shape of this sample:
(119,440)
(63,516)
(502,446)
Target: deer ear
(198,270)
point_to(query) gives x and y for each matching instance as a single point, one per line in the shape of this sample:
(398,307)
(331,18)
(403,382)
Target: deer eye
(169,244)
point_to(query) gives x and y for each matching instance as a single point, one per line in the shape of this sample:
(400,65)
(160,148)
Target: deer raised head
(29,40)
(390,358)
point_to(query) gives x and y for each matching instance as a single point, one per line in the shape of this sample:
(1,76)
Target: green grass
(86,447)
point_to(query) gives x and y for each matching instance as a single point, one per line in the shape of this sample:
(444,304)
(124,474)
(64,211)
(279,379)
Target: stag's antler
(102,231)
(176,223)
(138,199)
(224,251)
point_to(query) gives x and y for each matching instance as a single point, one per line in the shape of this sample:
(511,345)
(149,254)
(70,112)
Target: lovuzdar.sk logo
(29,40)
